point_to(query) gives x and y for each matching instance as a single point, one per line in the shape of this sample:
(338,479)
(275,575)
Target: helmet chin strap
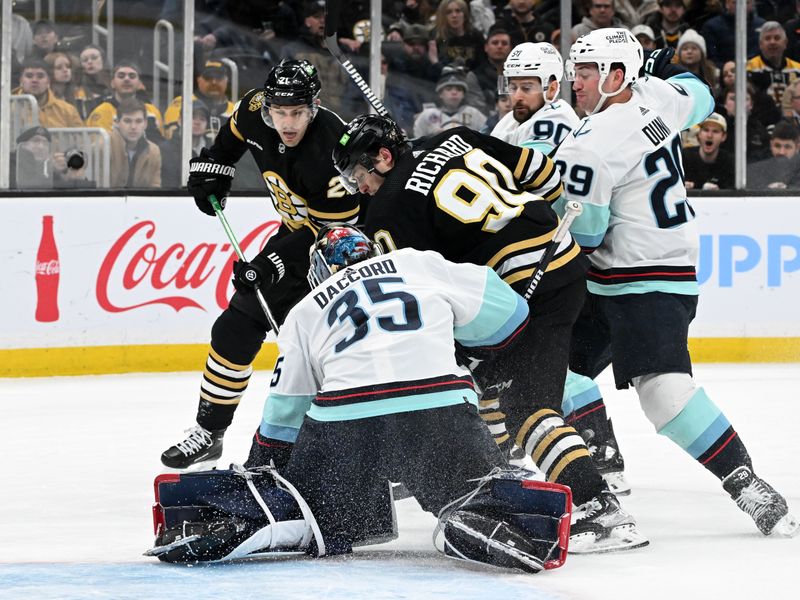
(604,95)
(555,96)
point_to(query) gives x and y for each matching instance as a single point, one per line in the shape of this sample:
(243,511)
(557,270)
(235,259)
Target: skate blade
(620,538)
(159,550)
(788,526)
(203,465)
(617,483)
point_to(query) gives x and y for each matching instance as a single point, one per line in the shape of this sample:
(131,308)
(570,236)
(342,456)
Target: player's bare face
(586,86)
(526,97)
(368,183)
(291,122)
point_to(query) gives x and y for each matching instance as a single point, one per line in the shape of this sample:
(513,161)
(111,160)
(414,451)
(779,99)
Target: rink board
(142,279)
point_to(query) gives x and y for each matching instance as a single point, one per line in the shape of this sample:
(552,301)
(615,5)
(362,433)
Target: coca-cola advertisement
(47,274)
(117,271)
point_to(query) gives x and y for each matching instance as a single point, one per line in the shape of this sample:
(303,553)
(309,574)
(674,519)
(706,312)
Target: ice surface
(81,454)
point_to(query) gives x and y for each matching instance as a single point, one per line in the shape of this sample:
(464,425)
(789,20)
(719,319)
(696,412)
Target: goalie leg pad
(510,521)
(225,515)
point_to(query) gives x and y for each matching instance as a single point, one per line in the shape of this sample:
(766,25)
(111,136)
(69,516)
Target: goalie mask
(604,48)
(366,135)
(540,60)
(338,245)
(291,83)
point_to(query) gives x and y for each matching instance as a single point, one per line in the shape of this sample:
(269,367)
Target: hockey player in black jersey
(474,198)
(290,137)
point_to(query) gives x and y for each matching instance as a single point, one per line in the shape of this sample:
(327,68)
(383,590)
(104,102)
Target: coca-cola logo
(48,267)
(134,262)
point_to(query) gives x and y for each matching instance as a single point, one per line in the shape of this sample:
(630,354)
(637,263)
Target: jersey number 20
(670,159)
(347,308)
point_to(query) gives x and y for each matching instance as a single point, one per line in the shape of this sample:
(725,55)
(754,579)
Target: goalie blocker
(214,516)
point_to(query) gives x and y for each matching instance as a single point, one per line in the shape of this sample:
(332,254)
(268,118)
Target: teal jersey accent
(578,392)
(697,426)
(590,227)
(285,434)
(502,311)
(376,408)
(284,414)
(685,288)
(704,101)
(542,147)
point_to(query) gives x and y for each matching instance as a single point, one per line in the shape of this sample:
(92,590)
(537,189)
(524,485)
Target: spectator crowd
(440,61)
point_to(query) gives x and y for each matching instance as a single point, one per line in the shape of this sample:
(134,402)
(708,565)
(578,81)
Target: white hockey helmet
(605,47)
(540,60)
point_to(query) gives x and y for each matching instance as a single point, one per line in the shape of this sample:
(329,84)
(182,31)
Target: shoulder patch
(255,102)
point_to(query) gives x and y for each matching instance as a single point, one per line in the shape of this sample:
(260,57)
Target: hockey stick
(227,227)
(333,7)
(574,209)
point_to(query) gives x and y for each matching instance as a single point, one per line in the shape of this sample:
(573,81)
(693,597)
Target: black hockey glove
(207,177)
(264,269)
(265,451)
(658,63)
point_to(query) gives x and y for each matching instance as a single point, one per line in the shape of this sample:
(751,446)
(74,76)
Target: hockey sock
(222,387)
(584,409)
(235,340)
(561,454)
(703,431)
(489,411)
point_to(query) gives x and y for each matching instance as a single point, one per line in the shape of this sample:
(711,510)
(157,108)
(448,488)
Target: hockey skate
(760,500)
(199,451)
(608,460)
(517,457)
(601,525)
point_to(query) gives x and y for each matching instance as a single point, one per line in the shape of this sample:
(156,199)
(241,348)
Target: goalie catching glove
(208,177)
(265,269)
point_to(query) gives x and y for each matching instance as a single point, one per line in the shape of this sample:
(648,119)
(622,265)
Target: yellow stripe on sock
(226,383)
(543,444)
(225,362)
(492,416)
(562,464)
(526,426)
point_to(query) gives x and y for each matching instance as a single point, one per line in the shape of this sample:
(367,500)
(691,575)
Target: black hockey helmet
(292,82)
(365,135)
(338,245)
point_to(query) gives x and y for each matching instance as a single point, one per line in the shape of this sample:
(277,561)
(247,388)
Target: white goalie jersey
(624,164)
(377,338)
(545,130)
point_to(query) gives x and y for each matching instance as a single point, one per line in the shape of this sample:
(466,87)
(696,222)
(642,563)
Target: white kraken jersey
(545,130)
(624,164)
(377,338)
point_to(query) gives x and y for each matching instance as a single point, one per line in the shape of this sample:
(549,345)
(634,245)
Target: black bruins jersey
(474,198)
(302,182)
